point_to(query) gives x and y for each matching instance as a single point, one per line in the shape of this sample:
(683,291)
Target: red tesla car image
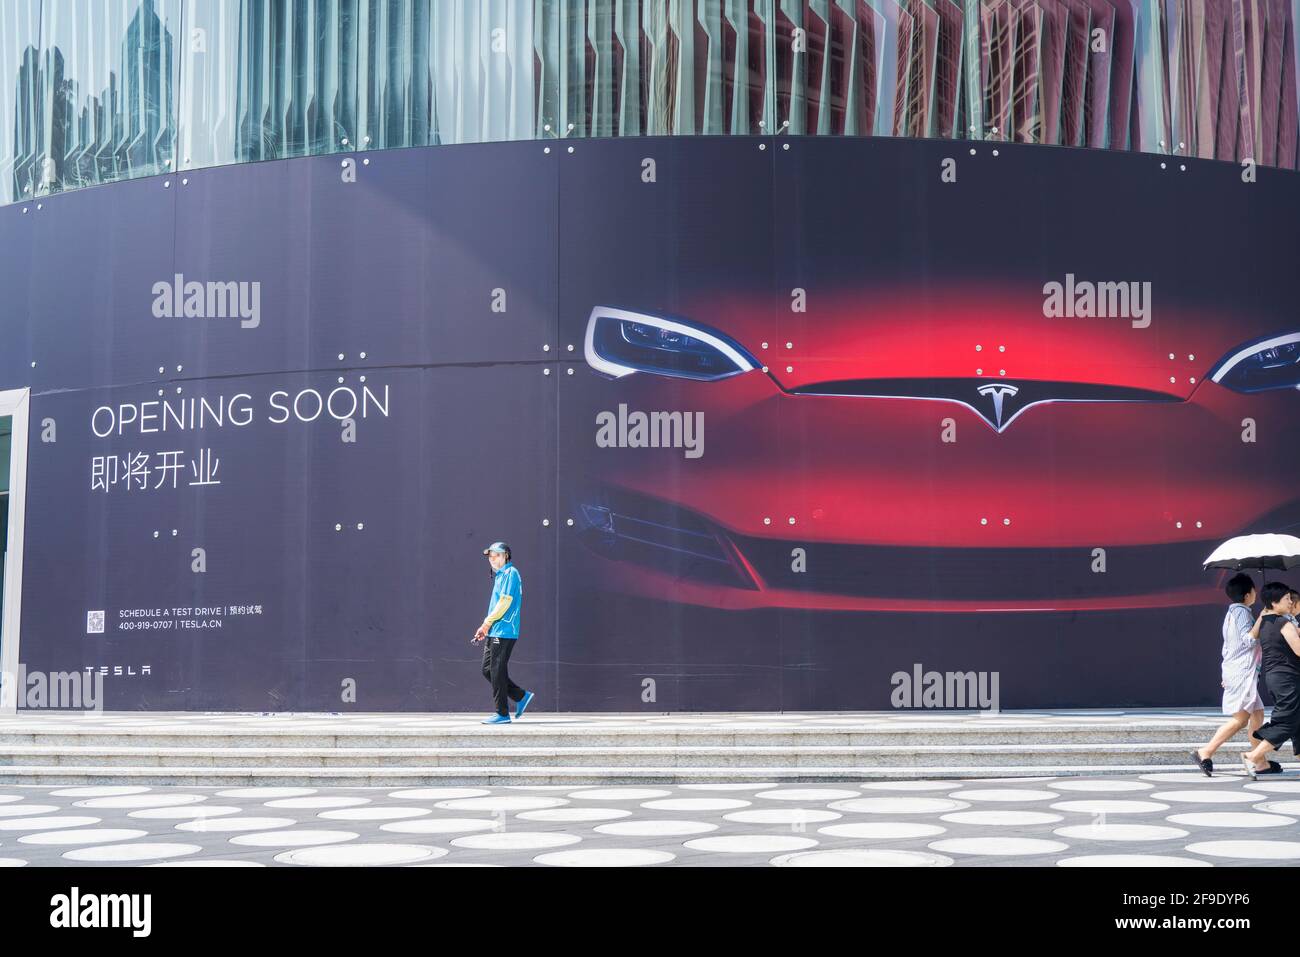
(962,450)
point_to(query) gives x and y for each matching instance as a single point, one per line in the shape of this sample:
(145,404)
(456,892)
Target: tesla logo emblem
(997,391)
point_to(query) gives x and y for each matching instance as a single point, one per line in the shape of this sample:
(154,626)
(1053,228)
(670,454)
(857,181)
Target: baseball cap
(497,547)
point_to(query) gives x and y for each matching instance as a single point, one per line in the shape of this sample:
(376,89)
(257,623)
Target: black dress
(1281,668)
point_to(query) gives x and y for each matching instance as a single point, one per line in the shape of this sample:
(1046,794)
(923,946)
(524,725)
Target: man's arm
(1241,624)
(503,604)
(1292,636)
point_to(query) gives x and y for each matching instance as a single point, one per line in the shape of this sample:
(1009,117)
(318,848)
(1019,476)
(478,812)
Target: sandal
(1249,765)
(1273,768)
(1205,764)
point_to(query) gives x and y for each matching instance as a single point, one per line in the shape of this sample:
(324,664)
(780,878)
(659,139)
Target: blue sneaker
(497,719)
(523,704)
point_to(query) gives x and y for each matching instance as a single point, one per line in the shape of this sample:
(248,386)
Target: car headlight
(1269,363)
(620,342)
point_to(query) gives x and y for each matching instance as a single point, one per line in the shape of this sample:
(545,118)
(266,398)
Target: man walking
(500,631)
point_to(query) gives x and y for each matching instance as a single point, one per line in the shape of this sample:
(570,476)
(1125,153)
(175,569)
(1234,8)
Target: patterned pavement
(1159,819)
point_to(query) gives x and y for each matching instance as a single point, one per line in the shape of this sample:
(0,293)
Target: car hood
(978,332)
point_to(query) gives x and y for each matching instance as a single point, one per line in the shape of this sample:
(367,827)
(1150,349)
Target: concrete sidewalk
(1161,819)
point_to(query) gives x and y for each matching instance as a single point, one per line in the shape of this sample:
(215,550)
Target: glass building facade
(93,91)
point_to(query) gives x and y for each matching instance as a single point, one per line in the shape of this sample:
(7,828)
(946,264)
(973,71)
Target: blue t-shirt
(506,582)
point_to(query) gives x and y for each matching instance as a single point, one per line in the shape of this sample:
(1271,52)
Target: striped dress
(1241,656)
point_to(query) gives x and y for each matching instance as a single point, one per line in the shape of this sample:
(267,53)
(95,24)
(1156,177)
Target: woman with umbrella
(1242,652)
(1279,642)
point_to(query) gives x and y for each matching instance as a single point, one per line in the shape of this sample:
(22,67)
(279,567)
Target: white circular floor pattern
(1001,794)
(912,785)
(1093,784)
(129,853)
(727,787)
(1130,860)
(782,815)
(1249,850)
(1192,777)
(26,810)
(655,828)
(1279,807)
(438,794)
(231,825)
(574,814)
(85,835)
(898,805)
(1231,819)
(882,830)
(185,812)
(619,794)
(750,843)
(207,862)
(301,838)
(440,825)
(807,794)
(316,802)
(107,790)
(51,823)
(1207,796)
(998,846)
(695,804)
(373,813)
(297,841)
(512,802)
(361,855)
(1113,831)
(854,857)
(141,800)
(516,840)
(1110,807)
(605,857)
(1002,818)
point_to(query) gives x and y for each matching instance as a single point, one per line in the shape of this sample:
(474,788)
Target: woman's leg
(1256,720)
(1284,721)
(1226,731)
(1258,755)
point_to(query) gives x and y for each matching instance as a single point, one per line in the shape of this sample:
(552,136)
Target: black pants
(1284,720)
(496,655)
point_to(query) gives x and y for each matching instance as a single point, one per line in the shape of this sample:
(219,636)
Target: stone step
(236,776)
(320,750)
(523,736)
(818,756)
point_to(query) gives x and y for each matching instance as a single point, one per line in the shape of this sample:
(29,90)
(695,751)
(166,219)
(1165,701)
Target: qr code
(94,622)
